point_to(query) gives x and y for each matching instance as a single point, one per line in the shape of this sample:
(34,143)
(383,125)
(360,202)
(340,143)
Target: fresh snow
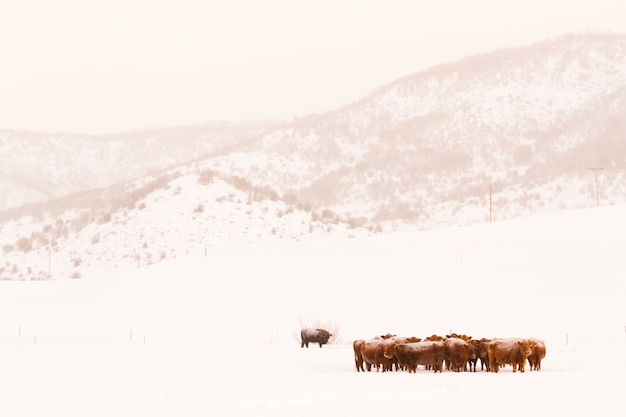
(217,334)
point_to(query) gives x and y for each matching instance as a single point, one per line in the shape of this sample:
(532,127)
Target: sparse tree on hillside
(24,244)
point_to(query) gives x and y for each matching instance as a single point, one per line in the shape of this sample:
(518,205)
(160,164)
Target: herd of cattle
(453,352)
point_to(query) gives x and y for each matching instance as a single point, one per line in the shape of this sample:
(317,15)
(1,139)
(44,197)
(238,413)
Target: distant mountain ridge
(38,167)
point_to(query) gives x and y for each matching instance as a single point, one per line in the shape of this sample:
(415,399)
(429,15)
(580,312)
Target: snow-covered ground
(216,334)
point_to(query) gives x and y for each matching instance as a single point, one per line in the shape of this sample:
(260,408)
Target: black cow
(314,336)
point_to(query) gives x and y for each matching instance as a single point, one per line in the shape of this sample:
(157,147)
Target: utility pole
(595,170)
(490,205)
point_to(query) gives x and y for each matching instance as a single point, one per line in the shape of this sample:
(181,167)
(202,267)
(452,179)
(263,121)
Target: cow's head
(525,348)
(472,350)
(390,351)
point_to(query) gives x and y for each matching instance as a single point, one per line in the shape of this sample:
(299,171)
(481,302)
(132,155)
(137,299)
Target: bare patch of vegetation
(206,177)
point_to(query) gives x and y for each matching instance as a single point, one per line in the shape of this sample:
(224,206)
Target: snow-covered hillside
(425,149)
(216,334)
(503,135)
(179,213)
(38,167)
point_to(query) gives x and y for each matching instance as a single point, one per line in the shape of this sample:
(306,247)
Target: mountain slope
(502,135)
(183,211)
(39,167)
(425,149)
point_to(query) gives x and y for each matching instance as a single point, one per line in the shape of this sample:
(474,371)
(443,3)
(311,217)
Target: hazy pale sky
(106,66)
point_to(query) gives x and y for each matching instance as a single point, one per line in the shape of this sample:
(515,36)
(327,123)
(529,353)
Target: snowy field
(216,335)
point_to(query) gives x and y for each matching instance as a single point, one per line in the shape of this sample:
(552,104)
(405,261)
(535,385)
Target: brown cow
(508,351)
(372,352)
(538,348)
(368,353)
(358,356)
(483,354)
(459,336)
(387,364)
(458,353)
(413,339)
(409,355)
(436,338)
(473,359)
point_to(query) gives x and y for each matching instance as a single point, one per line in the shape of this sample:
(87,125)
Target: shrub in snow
(105,218)
(206,177)
(24,244)
(80,222)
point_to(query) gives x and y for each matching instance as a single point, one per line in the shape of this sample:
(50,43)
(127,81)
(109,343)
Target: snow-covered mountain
(39,167)
(425,149)
(422,152)
(180,212)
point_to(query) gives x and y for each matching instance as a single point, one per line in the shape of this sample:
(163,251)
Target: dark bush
(24,244)
(206,177)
